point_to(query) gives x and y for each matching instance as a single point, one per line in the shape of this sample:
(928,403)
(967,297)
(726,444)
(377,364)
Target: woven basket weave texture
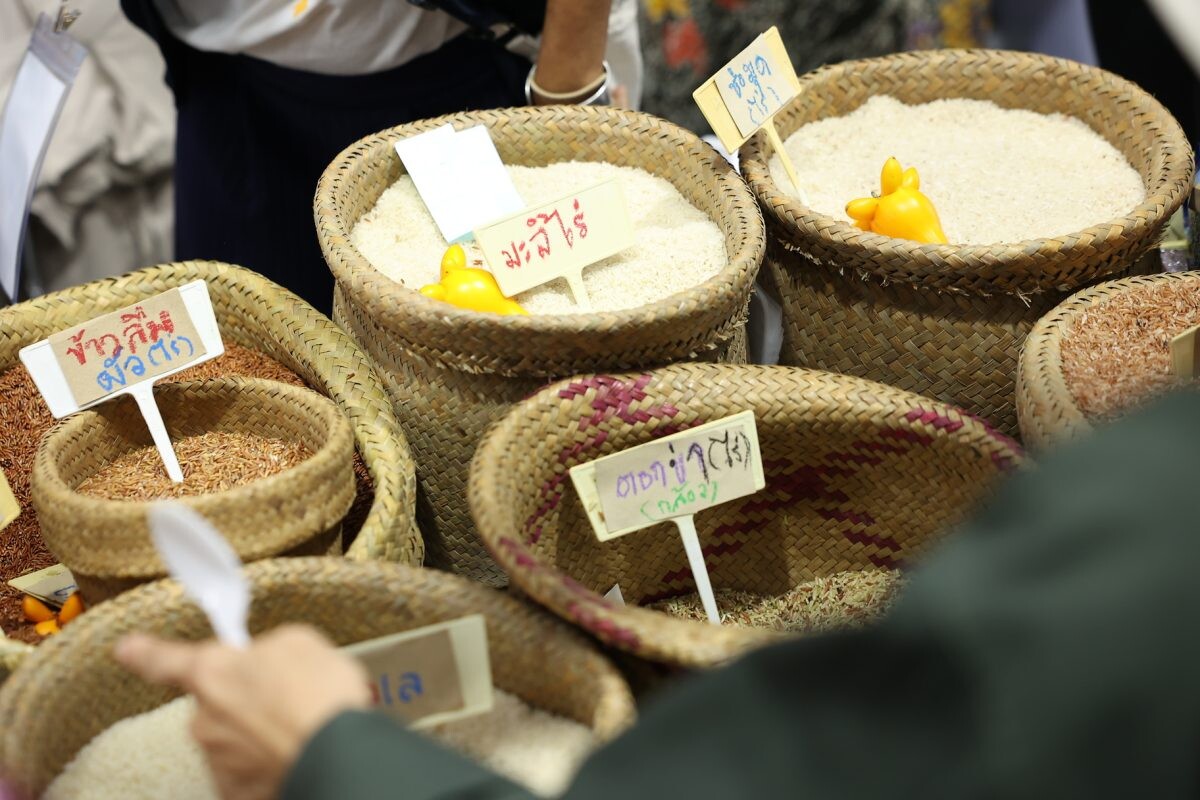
(452,372)
(71,689)
(948,321)
(858,475)
(1046,406)
(106,543)
(256,313)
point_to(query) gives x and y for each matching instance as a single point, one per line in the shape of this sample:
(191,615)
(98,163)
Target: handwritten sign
(557,240)
(430,675)
(1185,356)
(749,91)
(460,177)
(124,353)
(10,509)
(672,477)
(52,584)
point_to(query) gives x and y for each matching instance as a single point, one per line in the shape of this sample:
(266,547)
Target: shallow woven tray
(948,320)
(453,372)
(1045,404)
(70,689)
(256,313)
(858,475)
(106,543)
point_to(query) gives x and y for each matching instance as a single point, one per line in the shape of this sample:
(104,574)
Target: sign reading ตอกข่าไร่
(124,352)
(430,675)
(673,478)
(557,240)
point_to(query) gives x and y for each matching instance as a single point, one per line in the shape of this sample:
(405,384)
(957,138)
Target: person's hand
(571,58)
(255,708)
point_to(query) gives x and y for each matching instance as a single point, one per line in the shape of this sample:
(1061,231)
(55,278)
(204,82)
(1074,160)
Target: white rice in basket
(676,245)
(995,175)
(152,756)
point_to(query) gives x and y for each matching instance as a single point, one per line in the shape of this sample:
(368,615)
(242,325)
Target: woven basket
(256,313)
(106,543)
(70,689)
(453,372)
(858,475)
(1045,403)
(948,320)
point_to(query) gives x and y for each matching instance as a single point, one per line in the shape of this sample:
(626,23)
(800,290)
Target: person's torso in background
(333,37)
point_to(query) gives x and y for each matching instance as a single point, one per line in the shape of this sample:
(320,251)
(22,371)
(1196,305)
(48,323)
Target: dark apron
(253,139)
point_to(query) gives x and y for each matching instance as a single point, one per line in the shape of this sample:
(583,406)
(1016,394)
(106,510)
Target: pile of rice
(676,245)
(844,600)
(995,175)
(152,756)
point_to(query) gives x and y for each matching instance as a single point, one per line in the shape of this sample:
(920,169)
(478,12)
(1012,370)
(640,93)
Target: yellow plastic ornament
(902,211)
(472,289)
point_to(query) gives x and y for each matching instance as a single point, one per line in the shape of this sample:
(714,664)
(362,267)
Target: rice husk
(676,245)
(1117,355)
(994,174)
(843,600)
(152,756)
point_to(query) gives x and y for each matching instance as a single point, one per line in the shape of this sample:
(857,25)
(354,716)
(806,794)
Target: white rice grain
(152,756)
(676,245)
(995,175)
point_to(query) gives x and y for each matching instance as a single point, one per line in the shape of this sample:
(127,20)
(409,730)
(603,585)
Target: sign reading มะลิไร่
(430,675)
(557,240)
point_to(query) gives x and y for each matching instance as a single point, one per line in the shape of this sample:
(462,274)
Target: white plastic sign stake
(557,240)
(460,177)
(10,509)
(673,478)
(747,93)
(30,113)
(52,585)
(124,352)
(614,595)
(430,675)
(1185,355)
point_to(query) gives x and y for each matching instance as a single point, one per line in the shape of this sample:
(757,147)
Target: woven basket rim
(324,411)
(948,265)
(1041,383)
(616,625)
(396,308)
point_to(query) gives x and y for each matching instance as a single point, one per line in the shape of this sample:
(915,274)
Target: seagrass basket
(858,475)
(1047,406)
(106,543)
(258,314)
(71,689)
(453,372)
(948,320)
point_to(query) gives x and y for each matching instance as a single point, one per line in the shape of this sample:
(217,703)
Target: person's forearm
(573,40)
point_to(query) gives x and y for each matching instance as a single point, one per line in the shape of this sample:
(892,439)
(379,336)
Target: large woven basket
(256,313)
(70,689)
(106,543)
(453,372)
(948,320)
(858,475)
(1047,407)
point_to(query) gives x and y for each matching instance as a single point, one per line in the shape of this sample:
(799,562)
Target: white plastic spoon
(211,573)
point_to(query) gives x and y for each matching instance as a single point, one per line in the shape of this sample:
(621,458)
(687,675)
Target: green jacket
(1051,649)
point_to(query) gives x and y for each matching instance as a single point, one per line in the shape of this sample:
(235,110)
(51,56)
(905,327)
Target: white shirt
(333,37)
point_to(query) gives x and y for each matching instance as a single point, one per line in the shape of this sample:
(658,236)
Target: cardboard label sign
(1185,356)
(672,477)
(52,585)
(10,509)
(460,177)
(749,91)
(430,675)
(557,239)
(114,353)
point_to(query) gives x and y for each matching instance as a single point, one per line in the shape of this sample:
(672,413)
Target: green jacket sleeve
(1050,649)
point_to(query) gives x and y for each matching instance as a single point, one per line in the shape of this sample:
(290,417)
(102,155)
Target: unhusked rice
(994,174)
(676,245)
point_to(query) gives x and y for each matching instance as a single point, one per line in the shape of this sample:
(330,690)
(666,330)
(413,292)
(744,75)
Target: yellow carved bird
(472,289)
(901,211)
